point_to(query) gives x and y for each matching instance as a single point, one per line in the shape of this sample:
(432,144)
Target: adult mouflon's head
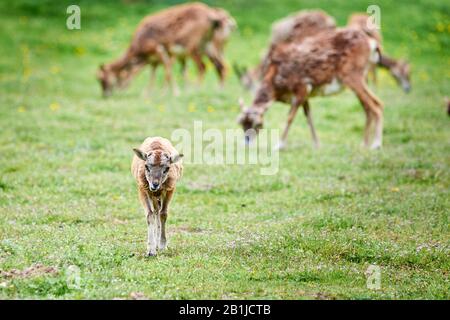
(111,78)
(402,73)
(157,166)
(251,119)
(107,80)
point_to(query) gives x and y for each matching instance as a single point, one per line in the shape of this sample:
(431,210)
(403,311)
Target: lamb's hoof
(281,146)
(151,254)
(375,146)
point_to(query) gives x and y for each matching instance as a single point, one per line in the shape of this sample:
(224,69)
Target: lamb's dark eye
(166,169)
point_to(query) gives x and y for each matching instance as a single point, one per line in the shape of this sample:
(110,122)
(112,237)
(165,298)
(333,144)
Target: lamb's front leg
(163,217)
(151,234)
(151,223)
(156,202)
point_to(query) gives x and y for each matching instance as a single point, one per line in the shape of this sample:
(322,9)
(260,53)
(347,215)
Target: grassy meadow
(71,225)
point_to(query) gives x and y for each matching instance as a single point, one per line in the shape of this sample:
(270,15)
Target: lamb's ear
(140,154)
(176,158)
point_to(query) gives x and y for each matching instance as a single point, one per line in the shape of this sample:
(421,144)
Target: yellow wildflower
(54,106)
(191,107)
(80,51)
(54,69)
(440,27)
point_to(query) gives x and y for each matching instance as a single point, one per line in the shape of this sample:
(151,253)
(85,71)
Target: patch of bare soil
(324,296)
(32,271)
(138,296)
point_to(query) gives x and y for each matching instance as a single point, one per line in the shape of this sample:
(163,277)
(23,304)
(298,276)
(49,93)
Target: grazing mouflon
(189,30)
(319,65)
(304,24)
(399,69)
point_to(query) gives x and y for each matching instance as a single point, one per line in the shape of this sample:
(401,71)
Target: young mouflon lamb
(157,167)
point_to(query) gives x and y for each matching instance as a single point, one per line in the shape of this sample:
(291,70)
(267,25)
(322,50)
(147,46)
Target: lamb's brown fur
(158,152)
(399,69)
(187,30)
(319,65)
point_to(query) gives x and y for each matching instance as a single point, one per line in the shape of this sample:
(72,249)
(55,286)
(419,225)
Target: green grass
(67,196)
